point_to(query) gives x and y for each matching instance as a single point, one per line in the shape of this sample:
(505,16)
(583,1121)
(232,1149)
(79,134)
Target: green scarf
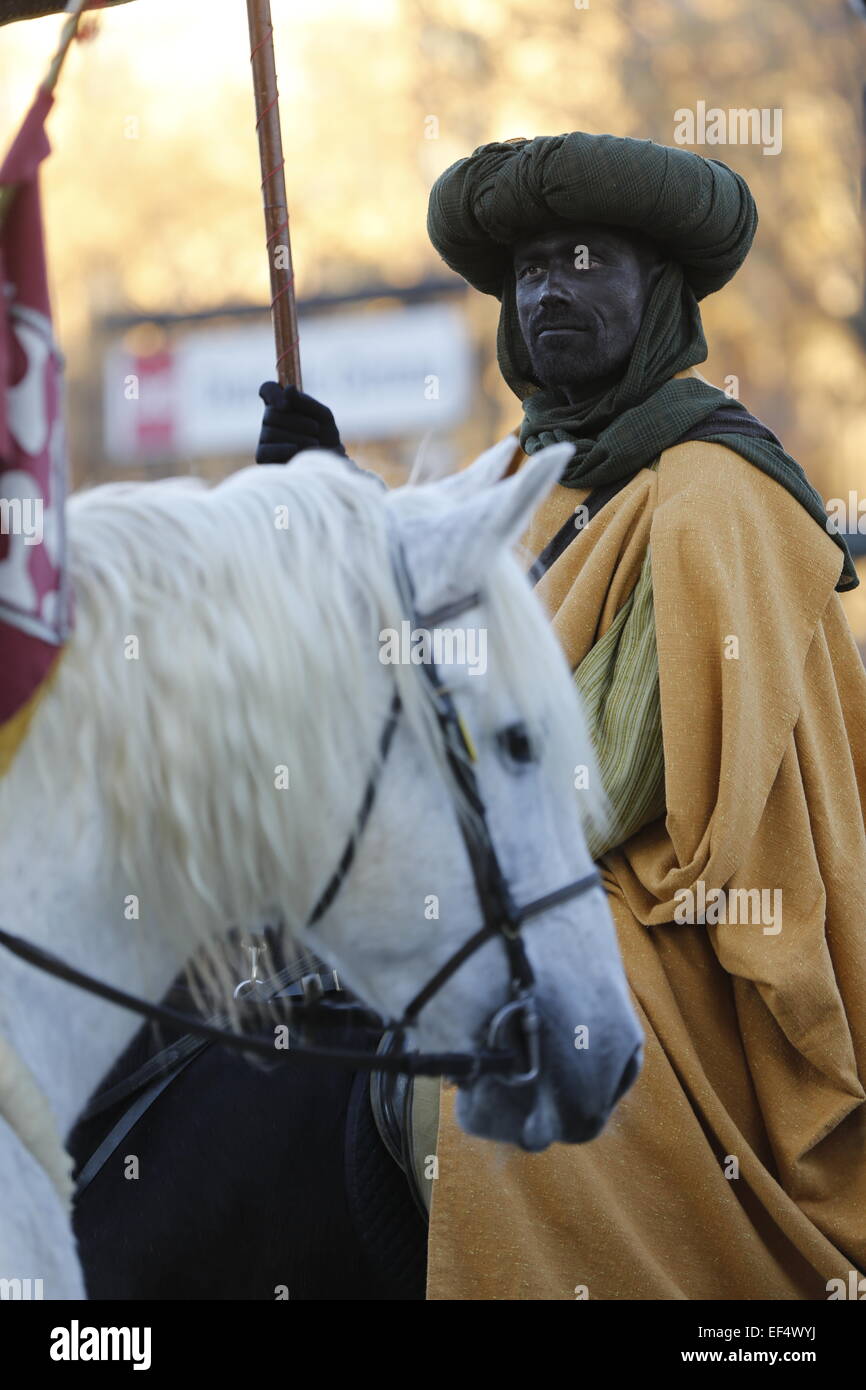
(624,428)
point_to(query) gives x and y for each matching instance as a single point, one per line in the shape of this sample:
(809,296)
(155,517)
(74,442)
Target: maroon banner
(35,609)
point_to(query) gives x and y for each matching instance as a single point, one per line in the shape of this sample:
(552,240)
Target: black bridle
(516,1022)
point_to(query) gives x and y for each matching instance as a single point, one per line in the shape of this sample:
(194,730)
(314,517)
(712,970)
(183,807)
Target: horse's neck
(55,894)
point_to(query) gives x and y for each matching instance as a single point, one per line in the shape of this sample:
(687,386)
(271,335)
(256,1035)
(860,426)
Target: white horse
(199,760)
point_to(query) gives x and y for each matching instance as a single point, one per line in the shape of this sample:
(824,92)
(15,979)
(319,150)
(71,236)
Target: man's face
(581,295)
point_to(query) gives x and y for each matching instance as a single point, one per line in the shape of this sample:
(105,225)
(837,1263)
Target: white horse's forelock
(186,593)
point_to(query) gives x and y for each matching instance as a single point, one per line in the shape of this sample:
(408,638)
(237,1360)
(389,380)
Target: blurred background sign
(385,373)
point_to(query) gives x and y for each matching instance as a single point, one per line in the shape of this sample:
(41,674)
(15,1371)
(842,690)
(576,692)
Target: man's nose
(553,297)
(558,286)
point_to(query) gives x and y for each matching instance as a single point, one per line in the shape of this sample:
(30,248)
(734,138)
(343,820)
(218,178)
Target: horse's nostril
(632,1068)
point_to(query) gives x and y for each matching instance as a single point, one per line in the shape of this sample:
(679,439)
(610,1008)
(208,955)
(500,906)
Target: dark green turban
(699,211)
(701,216)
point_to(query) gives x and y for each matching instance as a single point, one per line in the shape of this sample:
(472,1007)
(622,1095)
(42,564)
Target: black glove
(294,421)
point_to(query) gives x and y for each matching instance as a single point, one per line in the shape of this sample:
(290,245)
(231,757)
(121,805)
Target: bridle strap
(130,1118)
(489,933)
(452,609)
(559,895)
(347,858)
(502,918)
(443,974)
(285,983)
(456,1064)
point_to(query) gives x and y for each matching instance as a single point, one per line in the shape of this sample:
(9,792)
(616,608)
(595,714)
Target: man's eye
(528,270)
(516,744)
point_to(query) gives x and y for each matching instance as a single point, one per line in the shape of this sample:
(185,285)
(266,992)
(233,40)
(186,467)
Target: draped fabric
(735,1168)
(618,683)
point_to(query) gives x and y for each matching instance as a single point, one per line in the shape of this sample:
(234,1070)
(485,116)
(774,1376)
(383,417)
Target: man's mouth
(561,328)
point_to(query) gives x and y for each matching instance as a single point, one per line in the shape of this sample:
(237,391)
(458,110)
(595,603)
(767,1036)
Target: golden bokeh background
(152,194)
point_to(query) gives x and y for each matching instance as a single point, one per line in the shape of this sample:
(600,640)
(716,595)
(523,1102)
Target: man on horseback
(694,585)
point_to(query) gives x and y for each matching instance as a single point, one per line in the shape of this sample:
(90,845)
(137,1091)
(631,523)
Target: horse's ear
(486,470)
(503,511)
(452,549)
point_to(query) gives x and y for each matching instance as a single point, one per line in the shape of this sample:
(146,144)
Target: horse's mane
(201,664)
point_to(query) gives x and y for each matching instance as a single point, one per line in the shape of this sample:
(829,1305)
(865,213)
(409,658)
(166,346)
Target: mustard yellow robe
(735,1168)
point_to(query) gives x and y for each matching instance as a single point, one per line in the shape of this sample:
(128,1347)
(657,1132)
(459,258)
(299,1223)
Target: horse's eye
(516,743)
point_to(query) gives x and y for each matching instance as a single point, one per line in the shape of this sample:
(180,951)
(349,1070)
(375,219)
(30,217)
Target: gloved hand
(294,421)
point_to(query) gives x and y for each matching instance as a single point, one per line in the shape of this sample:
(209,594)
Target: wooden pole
(283,310)
(67,34)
